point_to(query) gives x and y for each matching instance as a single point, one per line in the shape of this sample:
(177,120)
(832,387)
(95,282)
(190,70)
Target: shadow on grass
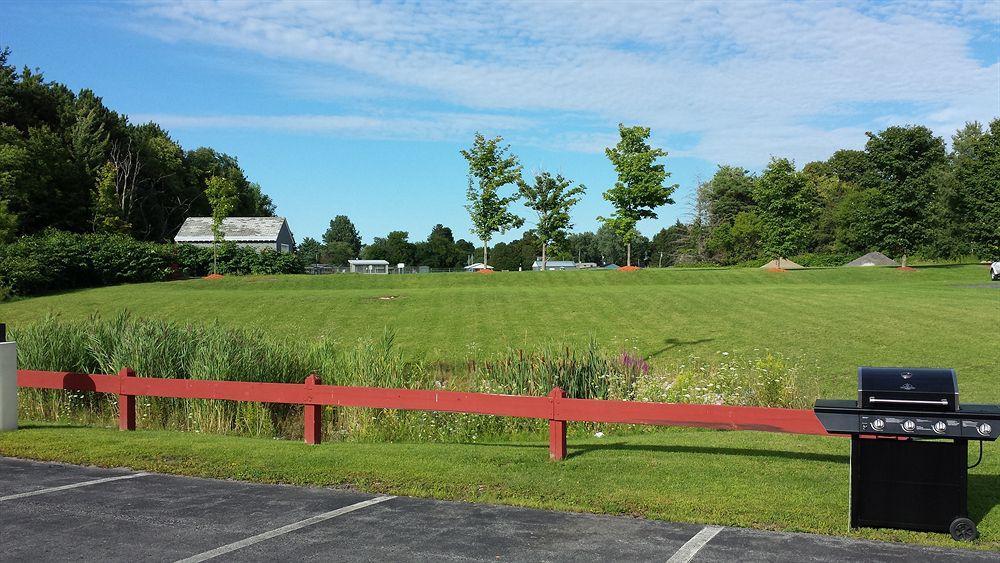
(671,343)
(54,426)
(582,450)
(577,451)
(984,495)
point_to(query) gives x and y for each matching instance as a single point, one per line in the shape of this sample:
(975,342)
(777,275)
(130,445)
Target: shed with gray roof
(261,233)
(553,265)
(369,266)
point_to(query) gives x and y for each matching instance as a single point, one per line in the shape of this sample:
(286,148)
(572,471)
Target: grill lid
(933,389)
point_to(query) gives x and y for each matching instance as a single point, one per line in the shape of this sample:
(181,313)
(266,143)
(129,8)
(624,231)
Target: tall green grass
(155,348)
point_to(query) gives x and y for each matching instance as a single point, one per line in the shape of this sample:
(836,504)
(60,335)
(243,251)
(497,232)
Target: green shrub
(192,260)
(817,260)
(57,260)
(234,260)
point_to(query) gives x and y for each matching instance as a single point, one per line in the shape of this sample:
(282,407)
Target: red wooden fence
(555,407)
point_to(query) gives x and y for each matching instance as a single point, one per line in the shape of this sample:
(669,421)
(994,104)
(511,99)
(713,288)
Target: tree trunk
(485,254)
(903,265)
(628,259)
(543,257)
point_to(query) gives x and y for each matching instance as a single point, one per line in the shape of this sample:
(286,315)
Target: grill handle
(942,402)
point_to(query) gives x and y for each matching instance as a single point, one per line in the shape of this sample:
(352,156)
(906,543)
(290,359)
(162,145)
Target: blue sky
(361,108)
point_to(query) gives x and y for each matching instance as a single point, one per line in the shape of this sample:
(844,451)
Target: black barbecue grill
(909,448)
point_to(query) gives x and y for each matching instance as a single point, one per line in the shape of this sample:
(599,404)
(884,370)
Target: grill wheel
(963,529)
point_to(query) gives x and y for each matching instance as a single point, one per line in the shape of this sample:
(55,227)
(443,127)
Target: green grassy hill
(834,319)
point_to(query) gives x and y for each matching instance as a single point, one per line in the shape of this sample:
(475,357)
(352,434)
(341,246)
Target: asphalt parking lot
(52,511)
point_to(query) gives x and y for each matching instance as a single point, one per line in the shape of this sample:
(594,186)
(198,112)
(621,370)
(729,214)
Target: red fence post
(126,403)
(313,414)
(557,429)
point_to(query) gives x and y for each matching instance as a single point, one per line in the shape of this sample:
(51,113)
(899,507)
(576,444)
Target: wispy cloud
(437,126)
(747,79)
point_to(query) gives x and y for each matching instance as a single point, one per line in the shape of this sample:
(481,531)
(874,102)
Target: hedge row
(57,260)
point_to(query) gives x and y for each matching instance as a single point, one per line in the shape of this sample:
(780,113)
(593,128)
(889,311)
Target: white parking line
(693,545)
(283,530)
(73,486)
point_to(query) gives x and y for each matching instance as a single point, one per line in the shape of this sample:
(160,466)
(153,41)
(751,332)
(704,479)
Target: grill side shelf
(838,416)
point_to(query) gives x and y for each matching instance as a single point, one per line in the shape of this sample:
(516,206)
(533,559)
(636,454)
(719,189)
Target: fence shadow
(582,450)
(53,426)
(586,449)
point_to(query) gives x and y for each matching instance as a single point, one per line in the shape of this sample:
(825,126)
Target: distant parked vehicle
(995,271)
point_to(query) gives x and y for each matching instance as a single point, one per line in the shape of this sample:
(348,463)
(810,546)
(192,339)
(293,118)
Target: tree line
(906,192)
(68,162)
(342,242)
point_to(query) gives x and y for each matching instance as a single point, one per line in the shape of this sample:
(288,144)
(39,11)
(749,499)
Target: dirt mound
(782,264)
(629,269)
(213,277)
(872,259)
(484,271)
(906,269)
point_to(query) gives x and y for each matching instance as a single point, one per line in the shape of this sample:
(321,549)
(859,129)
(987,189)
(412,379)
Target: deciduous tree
(341,229)
(906,161)
(787,210)
(640,187)
(551,198)
(491,168)
(221,194)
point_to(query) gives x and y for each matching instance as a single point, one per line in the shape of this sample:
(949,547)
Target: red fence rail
(312,394)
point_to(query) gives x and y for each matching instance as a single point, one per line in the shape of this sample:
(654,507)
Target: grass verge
(835,319)
(747,479)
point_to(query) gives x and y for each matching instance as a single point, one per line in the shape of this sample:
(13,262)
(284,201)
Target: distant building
(477,267)
(369,266)
(554,265)
(261,233)
(585,265)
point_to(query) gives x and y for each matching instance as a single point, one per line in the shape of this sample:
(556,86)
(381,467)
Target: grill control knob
(940,427)
(909,425)
(985,429)
(878,424)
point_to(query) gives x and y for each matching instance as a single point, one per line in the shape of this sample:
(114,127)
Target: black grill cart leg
(963,529)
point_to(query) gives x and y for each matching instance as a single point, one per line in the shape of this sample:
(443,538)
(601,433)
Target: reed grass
(156,348)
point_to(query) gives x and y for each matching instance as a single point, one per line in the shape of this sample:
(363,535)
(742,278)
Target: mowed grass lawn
(832,320)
